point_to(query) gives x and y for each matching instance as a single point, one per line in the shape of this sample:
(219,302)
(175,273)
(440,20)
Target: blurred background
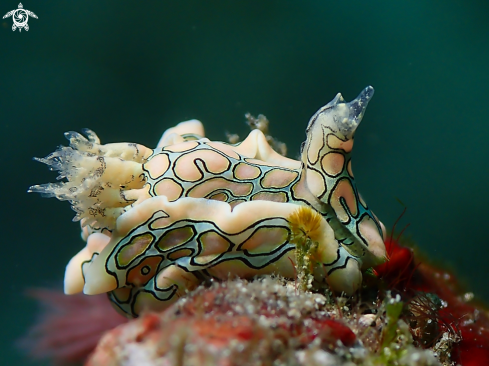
(128,70)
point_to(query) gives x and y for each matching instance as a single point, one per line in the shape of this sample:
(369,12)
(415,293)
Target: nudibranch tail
(74,280)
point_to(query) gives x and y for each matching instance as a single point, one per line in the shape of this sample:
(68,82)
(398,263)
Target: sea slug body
(157,222)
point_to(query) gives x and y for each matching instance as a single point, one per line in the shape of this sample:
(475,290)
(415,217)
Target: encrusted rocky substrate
(266,322)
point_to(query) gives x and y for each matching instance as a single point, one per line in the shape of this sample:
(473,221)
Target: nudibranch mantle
(157,222)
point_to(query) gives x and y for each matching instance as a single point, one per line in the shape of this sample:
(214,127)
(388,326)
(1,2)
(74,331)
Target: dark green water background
(128,70)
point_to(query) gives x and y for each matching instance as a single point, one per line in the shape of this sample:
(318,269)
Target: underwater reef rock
(230,323)
(267,321)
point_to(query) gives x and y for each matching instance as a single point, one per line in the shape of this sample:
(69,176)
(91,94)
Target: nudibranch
(158,222)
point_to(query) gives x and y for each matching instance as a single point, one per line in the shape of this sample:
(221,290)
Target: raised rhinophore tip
(340,117)
(347,116)
(359,104)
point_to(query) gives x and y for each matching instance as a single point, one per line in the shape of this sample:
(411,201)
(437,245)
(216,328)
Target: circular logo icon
(20,18)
